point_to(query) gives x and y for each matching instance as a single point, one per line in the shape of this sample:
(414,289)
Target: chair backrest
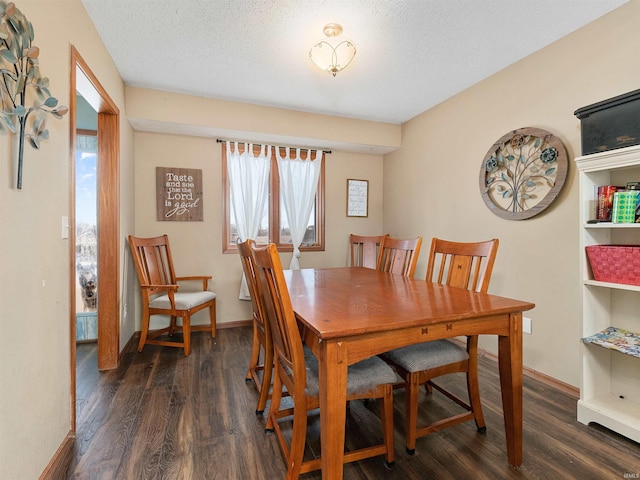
(399,256)
(154,265)
(272,286)
(248,267)
(365,250)
(465,265)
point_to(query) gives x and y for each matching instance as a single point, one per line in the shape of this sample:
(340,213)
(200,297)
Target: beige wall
(197,246)
(431,183)
(34,285)
(154,110)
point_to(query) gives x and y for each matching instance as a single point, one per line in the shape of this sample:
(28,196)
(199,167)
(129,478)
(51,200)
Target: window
(274,226)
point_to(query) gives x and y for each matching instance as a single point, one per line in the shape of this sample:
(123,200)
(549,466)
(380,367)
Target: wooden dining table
(352,313)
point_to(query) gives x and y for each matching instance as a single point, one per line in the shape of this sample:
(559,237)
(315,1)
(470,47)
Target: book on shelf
(624,206)
(613,338)
(604,201)
(635,186)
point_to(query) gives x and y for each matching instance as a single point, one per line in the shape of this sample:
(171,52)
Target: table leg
(510,364)
(333,400)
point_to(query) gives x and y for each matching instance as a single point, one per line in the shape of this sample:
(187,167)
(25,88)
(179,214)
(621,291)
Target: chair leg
(267,371)
(255,353)
(172,325)
(145,329)
(186,335)
(474,400)
(298,440)
(411,411)
(212,318)
(473,385)
(387,425)
(275,403)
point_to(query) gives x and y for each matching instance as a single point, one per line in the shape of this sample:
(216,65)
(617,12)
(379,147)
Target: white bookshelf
(610,385)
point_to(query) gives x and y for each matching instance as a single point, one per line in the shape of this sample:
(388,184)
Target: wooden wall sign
(178,194)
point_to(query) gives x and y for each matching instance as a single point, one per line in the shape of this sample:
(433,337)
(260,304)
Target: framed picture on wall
(178,194)
(357,198)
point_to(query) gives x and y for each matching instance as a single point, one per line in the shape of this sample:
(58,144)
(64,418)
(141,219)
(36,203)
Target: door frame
(83,80)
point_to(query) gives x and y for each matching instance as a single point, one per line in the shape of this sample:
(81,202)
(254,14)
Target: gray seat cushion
(362,376)
(427,355)
(184,300)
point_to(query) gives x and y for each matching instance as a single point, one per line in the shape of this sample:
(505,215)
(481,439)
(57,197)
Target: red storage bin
(615,263)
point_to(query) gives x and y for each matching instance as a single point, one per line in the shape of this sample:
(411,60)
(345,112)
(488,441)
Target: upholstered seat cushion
(362,376)
(427,355)
(184,300)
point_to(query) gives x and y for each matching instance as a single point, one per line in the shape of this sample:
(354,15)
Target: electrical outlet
(64,234)
(526,325)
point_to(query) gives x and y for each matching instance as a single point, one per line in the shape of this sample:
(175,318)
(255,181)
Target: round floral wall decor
(523,173)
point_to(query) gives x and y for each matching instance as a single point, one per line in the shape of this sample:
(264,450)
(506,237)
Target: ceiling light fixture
(333,53)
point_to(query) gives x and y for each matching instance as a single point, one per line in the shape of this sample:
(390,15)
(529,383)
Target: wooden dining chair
(399,256)
(296,369)
(161,295)
(464,265)
(365,250)
(259,373)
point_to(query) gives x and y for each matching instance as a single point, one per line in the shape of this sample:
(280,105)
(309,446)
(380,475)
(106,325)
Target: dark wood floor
(163,416)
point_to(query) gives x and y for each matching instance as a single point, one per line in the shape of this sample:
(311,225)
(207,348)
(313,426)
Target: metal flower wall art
(522,173)
(24,92)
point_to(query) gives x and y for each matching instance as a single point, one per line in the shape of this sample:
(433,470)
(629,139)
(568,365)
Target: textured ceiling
(411,54)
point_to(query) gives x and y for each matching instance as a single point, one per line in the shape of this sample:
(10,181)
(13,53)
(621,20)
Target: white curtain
(248,191)
(298,186)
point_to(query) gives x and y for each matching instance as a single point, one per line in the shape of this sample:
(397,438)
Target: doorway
(84,83)
(86,222)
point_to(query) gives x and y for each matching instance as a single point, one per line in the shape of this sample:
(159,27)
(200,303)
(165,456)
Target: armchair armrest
(148,286)
(204,278)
